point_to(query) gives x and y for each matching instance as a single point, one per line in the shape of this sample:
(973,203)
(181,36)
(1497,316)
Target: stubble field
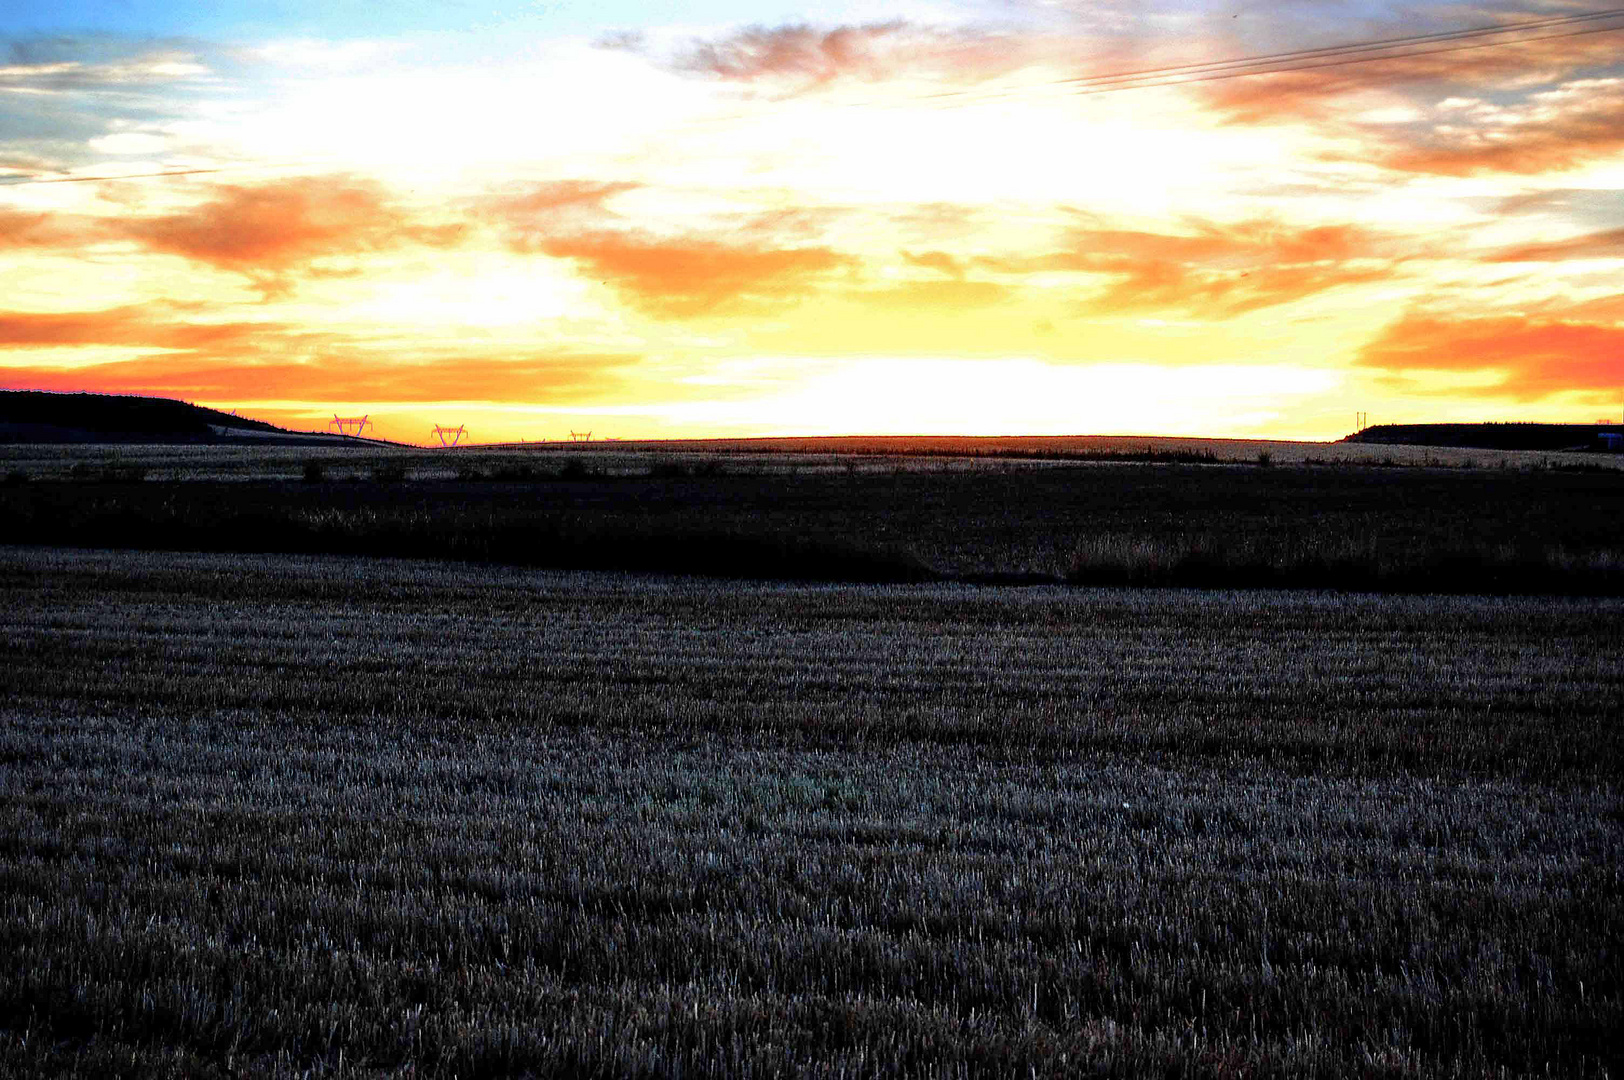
(307,815)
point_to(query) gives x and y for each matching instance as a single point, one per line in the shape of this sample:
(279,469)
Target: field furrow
(353,817)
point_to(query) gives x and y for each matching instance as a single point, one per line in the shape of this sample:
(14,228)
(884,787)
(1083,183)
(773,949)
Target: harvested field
(1137,522)
(346,817)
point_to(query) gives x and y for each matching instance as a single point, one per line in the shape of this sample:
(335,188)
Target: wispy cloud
(1606,244)
(276,360)
(530,217)
(1217,270)
(58,65)
(60,94)
(803,53)
(692,276)
(267,232)
(1576,123)
(142,327)
(799,57)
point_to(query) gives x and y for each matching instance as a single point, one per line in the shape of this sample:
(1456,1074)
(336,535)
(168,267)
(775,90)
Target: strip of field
(351,816)
(1356,528)
(342,458)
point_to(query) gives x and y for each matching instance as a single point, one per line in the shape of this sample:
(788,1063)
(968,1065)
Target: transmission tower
(348,425)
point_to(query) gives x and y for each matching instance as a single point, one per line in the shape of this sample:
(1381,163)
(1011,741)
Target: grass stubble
(302,815)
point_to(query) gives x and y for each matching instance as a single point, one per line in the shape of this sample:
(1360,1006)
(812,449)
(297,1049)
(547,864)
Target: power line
(9,181)
(1358,52)
(1344,63)
(1347,48)
(1363,52)
(16,181)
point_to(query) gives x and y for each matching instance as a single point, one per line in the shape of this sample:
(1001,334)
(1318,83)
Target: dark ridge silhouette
(36,416)
(1506,436)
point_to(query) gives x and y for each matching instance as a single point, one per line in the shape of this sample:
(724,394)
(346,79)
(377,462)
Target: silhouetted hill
(34,416)
(1490,436)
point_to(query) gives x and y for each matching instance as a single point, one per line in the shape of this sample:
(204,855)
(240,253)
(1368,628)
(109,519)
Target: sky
(720,218)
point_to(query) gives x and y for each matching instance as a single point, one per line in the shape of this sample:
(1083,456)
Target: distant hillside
(33,416)
(1491,436)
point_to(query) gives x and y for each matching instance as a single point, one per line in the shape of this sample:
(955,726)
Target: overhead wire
(1363,52)
(1344,63)
(256,166)
(9,181)
(1346,48)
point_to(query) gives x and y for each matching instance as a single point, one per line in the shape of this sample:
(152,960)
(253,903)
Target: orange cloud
(1534,358)
(269,230)
(562,378)
(1217,270)
(689,277)
(21,230)
(1602,309)
(133,326)
(681,277)
(246,361)
(1608,244)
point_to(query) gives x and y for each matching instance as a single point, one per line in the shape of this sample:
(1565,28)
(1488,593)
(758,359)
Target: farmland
(307,815)
(365,762)
(1179,513)
(276,459)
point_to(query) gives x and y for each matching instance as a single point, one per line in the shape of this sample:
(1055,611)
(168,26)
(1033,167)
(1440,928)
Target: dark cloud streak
(571,378)
(1608,244)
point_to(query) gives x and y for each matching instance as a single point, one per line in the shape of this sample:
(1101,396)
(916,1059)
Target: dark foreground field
(342,817)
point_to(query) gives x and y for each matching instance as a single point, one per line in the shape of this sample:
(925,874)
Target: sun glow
(887,396)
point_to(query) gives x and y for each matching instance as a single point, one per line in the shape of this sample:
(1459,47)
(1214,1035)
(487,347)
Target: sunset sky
(730,218)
